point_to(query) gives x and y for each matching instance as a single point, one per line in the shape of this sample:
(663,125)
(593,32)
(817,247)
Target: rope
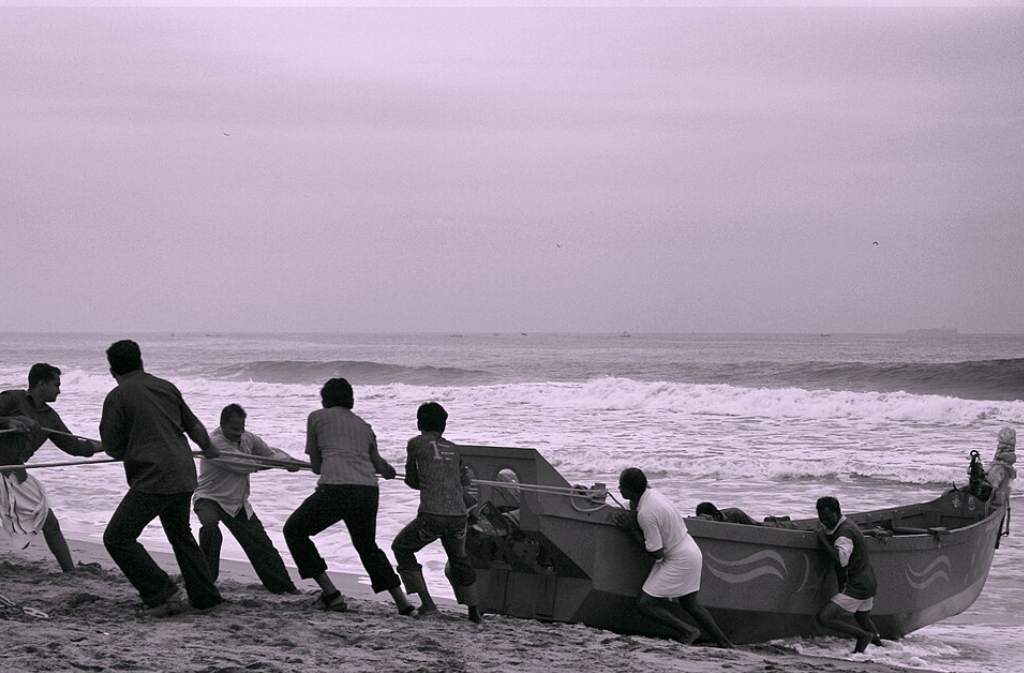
(236,458)
(233,457)
(9,468)
(570,491)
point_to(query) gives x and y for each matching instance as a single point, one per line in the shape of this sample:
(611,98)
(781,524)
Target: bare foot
(863,642)
(688,637)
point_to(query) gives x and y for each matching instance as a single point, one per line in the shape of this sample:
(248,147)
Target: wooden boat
(550,552)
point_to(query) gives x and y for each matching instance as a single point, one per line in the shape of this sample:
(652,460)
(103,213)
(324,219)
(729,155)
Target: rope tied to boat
(597,494)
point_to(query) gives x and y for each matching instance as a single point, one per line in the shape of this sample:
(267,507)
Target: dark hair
(634,479)
(709,509)
(337,393)
(230,411)
(431,417)
(40,372)
(827,502)
(124,356)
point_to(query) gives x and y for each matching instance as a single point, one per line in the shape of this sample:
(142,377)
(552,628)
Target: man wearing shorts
(848,550)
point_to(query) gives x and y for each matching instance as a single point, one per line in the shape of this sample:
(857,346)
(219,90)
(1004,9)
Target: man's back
(858,575)
(144,421)
(737,515)
(660,522)
(434,466)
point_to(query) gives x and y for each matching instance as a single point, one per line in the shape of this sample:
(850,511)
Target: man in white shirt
(223,496)
(677,566)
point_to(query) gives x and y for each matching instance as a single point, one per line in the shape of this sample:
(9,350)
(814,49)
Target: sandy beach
(95,624)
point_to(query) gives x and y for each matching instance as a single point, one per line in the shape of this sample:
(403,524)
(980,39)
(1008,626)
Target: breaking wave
(726,400)
(998,379)
(356,371)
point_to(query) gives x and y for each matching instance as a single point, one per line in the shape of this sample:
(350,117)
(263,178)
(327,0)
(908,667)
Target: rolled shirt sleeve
(844,549)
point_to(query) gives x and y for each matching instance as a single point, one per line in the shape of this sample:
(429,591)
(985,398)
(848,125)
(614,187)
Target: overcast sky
(573,169)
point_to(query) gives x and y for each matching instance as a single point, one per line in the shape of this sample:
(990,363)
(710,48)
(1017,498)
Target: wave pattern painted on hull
(937,570)
(740,576)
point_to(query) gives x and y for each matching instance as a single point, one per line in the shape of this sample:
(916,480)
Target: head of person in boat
(707,510)
(1006,445)
(337,393)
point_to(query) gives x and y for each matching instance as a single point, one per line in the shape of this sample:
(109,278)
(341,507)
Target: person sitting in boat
(223,496)
(27,415)
(434,467)
(845,545)
(707,510)
(1001,471)
(675,575)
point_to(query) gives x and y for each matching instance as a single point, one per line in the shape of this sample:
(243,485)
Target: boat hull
(562,558)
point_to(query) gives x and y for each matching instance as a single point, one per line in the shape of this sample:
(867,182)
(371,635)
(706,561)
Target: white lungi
(678,574)
(23,508)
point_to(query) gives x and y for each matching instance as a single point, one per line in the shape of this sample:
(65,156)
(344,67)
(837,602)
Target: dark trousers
(422,531)
(329,504)
(252,537)
(121,540)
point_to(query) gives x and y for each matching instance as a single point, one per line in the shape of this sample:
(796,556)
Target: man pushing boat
(675,575)
(845,545)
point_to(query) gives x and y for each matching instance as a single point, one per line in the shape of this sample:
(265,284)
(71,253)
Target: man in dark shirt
(27,412)
(434,467)
(144,424)
(707,510)
(846,546)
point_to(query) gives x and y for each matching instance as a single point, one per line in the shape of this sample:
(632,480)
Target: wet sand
(95,624)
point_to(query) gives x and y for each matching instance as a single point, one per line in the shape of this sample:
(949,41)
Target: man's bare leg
(658,610)
(704,619)
(56,542)
(834,617)
(865,622)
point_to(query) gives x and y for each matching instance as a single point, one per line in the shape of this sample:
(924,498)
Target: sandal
(332,603)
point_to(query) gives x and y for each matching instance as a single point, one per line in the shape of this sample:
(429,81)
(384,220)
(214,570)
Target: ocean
(763,422)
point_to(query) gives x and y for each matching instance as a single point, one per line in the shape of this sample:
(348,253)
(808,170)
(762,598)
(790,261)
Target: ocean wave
(779,468)
(994,379)
(734,401)
(662,401)
(356,371)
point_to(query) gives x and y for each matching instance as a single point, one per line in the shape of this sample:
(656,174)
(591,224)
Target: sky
(795,168)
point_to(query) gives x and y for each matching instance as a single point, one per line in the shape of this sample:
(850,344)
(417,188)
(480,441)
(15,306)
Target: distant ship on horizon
(933,331)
